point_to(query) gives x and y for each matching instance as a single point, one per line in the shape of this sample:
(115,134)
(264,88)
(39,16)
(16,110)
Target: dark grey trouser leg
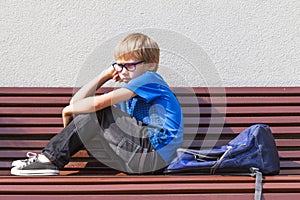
(121,136)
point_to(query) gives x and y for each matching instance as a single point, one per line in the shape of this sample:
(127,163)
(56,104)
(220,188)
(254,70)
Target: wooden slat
(43,91)
(95,168)
(23,131)
(134,179)
(178,90)
(262,110)
(197,143)
(22,153)
(19,144)
(218,196)
(227,196)
(190,121)
(83,154)
(188,111)
(14,154)
(35,121)
(142,188)
(31,111)
(34,101)
(35,91)
(137,179)
(290,164)
(289,154)
(217,101)
(205,101)
(190,188)
(270,120)
(289,172)
(250,91)
(219,142)
(284,165)
(276,130)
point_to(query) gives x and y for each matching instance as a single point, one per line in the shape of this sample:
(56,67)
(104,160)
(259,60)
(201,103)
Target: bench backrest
(29,117)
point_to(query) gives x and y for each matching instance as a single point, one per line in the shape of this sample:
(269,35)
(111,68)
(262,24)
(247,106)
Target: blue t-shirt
(156,106)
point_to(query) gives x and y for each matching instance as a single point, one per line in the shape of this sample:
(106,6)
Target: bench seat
(30,116)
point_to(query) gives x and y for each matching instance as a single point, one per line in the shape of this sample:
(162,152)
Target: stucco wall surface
(224,43)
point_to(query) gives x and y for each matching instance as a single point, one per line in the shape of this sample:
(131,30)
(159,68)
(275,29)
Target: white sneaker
(31,156)
(33,167)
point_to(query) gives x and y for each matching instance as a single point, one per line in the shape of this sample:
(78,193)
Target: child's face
(126,76)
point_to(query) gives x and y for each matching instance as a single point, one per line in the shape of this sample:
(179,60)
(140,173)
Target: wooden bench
(29,117)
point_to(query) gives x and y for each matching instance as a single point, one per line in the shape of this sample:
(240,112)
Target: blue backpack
(253,150)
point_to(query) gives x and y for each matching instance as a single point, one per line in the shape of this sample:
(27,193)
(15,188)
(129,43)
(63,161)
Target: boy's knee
(86,116)
(83,119)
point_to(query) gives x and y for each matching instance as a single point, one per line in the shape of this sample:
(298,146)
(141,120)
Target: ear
(152,67)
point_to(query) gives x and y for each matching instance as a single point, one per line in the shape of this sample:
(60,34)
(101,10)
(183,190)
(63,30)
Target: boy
(139,125)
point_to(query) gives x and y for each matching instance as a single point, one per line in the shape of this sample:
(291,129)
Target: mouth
(126,80)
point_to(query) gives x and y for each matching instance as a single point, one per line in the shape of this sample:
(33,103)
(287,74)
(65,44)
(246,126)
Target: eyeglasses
(128,66)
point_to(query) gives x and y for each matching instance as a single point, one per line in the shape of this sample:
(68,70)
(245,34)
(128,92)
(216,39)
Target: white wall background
(249,43)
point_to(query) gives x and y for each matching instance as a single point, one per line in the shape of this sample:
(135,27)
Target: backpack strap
(258,182)
(198,156)
(215,167)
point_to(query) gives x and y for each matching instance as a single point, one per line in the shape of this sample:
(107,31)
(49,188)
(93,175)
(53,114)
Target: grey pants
(108,134)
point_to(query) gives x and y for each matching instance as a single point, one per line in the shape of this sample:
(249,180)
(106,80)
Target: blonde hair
(139,47)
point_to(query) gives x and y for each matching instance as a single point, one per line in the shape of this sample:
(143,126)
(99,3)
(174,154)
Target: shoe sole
(42,172)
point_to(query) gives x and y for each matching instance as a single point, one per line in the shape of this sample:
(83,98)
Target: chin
(125,80)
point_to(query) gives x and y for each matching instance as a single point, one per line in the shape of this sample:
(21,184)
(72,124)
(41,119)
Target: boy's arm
(94,103)
(91,87)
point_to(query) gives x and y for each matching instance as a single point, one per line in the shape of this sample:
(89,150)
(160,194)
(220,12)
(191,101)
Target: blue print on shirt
(156,106)
(152,116)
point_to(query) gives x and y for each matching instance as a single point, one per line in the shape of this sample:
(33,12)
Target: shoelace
(32,157)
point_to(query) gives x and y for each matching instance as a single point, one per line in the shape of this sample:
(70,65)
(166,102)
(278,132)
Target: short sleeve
(148,86)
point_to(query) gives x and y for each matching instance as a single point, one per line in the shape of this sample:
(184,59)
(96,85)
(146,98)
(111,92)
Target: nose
(124,71)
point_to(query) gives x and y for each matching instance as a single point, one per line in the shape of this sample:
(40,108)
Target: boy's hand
(114,75)
(66,115)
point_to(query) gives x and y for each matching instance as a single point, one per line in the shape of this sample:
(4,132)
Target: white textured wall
(248,43)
